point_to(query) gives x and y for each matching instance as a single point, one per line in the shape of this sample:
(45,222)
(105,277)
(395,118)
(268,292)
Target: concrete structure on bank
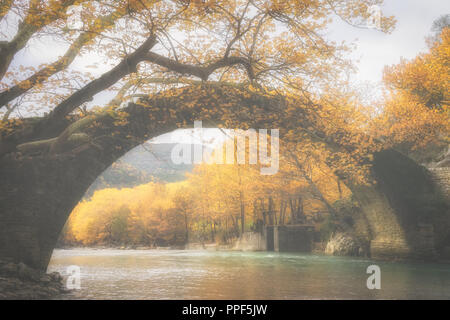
(268,235)
(293,238)
(285,238)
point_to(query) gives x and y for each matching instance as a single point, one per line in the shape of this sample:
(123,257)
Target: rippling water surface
(186,274)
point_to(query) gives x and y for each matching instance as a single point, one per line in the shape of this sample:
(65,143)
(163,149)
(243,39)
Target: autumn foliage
(216,203)
(416,108)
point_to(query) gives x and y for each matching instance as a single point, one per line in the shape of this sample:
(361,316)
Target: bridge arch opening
(146,199)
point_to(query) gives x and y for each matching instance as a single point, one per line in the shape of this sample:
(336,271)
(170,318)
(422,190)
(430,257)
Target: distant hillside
(145,163)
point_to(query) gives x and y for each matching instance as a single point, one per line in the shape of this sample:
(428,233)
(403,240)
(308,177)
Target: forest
(216,203)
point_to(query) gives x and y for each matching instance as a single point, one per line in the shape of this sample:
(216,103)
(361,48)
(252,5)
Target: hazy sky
(376,49)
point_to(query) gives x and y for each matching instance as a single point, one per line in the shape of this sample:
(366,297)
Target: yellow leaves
(416,111)
(141,208)
(425,78)
(406,120)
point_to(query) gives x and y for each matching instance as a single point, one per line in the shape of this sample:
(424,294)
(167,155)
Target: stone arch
(42,182)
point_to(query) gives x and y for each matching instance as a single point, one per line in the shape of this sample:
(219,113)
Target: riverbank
(338,245)
(190,246)
(20,282)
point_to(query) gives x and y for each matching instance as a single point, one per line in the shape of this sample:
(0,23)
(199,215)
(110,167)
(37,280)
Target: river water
(186,274)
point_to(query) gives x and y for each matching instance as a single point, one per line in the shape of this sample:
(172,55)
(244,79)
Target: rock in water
(341,244)
(18,281)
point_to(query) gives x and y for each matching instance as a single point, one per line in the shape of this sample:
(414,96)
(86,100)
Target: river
(186,274)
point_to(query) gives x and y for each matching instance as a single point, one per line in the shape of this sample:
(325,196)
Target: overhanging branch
(202,72)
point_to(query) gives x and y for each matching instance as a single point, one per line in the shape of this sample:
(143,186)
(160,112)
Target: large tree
(155,45)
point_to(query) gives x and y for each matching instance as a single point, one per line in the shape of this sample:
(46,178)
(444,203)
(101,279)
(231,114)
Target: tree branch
(48,125)
(199,71)
(42,75)
(32,23)
(126,66)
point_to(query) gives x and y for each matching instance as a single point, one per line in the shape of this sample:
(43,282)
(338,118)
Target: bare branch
(199,71)
(126,66)
(32,23)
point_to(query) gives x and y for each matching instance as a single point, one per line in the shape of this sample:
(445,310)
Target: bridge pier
(37,196)
(406,213)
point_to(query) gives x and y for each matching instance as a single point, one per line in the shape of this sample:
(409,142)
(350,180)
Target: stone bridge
(42,181)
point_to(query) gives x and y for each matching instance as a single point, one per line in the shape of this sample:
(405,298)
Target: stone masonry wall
(405,215)
(441,176)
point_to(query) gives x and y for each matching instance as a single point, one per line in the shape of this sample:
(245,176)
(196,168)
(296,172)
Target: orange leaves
(427,77)
(416,113)
(407,121)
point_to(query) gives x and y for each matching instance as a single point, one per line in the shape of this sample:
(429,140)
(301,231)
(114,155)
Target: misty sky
(376,49)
